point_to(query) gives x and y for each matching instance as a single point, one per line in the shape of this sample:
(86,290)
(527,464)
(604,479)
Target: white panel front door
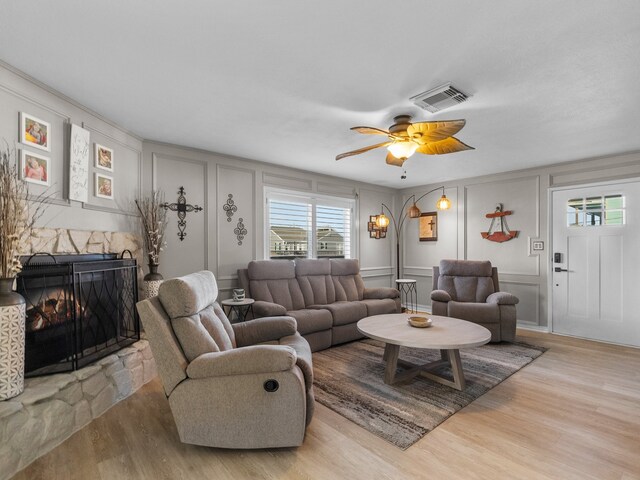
(596,231)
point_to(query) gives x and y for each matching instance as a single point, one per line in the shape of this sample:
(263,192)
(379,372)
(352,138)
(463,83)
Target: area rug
(349,381)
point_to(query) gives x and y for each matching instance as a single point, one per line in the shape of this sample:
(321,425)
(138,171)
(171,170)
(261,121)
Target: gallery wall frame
(103,186)
(35,132)
(428,227)
(103,157)
(34,168)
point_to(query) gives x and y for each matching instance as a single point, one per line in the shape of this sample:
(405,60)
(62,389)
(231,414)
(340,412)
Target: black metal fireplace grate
(80,308)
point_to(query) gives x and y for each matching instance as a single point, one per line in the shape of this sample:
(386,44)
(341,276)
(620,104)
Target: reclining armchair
(470,290)
(247,385)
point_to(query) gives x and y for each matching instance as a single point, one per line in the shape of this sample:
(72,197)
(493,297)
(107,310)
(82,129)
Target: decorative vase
(152,281)
(12,319)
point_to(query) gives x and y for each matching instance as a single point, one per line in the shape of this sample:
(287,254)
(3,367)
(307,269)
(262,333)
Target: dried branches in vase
(18,212)
(153,220)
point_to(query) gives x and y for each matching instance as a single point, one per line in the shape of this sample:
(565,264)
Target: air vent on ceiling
(439,98)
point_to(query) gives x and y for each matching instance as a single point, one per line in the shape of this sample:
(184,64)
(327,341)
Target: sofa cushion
(345,266)
(314,278)
(271,269)
(285,292)
(475,312)
(346,312)
(466,289)
(312,266)
(198,322)
(465,268)
(184,296)
(312,320)
(380,306)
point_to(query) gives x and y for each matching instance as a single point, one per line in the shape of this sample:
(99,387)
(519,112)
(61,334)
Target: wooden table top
(445,334)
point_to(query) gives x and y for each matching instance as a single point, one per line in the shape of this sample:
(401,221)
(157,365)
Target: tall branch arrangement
(153,219)
(18,212)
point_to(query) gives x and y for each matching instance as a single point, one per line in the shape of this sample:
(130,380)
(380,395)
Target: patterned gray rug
(349,380)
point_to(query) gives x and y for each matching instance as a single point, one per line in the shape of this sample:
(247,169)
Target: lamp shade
(413,211)
(382,221)
(402,148)
(444,203)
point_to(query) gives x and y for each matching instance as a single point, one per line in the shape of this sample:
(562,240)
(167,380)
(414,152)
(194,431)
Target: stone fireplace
(53,407)
(79,309)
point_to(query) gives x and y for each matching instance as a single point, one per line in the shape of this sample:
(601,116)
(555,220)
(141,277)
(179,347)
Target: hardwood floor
(574,413)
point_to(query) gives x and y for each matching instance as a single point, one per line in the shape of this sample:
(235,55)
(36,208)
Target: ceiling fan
(406,138)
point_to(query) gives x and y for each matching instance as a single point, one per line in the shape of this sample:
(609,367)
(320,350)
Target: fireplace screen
(80,308)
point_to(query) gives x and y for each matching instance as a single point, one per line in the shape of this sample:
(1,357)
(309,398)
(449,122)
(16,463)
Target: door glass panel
(593,203)
(575,219)
(596,211)
(593,218)
(613,202)
(614,217)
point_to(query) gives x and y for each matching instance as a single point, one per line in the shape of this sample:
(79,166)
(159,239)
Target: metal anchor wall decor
(503,234)
(182,207)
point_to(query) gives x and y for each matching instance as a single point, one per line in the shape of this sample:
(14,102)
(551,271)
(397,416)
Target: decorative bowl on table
(420,322)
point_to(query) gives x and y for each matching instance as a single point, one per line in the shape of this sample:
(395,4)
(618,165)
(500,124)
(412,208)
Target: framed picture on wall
(34,168)
(428,229)
(35,132)
(104,157)
(104,186)
(79,154)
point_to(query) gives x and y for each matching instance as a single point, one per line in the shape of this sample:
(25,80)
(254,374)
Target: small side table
(408,291)
(241,308)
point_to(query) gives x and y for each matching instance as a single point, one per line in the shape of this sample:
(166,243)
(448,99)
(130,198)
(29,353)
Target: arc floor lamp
(382,221)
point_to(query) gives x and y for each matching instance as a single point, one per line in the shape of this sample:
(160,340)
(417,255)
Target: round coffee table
(446,334)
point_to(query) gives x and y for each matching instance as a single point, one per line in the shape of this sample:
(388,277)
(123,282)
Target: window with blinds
(308,227)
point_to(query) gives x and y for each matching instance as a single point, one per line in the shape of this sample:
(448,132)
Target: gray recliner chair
(247,385)
(470,290)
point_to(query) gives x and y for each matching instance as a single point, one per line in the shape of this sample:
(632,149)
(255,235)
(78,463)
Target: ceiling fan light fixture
(444,203)
(402,148)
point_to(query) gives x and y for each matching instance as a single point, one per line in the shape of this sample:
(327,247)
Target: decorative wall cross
(182,207)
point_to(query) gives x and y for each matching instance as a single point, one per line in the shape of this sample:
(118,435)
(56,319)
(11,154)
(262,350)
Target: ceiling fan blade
(448,145)
(391,160)
(425,132)
(370,130)
(362,150)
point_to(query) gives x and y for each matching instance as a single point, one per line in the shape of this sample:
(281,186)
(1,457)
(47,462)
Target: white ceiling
(282,81)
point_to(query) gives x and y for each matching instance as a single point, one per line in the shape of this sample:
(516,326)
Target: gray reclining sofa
(327,297)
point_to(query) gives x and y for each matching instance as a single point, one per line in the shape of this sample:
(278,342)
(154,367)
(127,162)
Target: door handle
(558,269)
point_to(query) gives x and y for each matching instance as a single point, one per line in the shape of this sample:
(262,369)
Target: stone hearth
(52,408)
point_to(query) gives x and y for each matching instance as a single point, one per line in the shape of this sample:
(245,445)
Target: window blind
(308,227)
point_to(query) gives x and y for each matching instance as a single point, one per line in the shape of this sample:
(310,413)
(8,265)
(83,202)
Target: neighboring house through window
(308,226)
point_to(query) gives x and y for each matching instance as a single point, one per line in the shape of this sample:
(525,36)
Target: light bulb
(402,148)
(382,221)
(444,203)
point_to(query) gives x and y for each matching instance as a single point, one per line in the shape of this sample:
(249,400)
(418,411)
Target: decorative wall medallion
(240,231)
(182,207)
(503,234)
(230,208)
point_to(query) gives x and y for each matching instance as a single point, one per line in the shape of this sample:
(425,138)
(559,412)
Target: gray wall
(20,93)
(522,272)
(210,243)
(209,178)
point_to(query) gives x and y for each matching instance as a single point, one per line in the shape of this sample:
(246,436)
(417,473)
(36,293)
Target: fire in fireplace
(80,308)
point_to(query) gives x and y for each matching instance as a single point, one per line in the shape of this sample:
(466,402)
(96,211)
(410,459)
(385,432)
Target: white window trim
(281,194)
